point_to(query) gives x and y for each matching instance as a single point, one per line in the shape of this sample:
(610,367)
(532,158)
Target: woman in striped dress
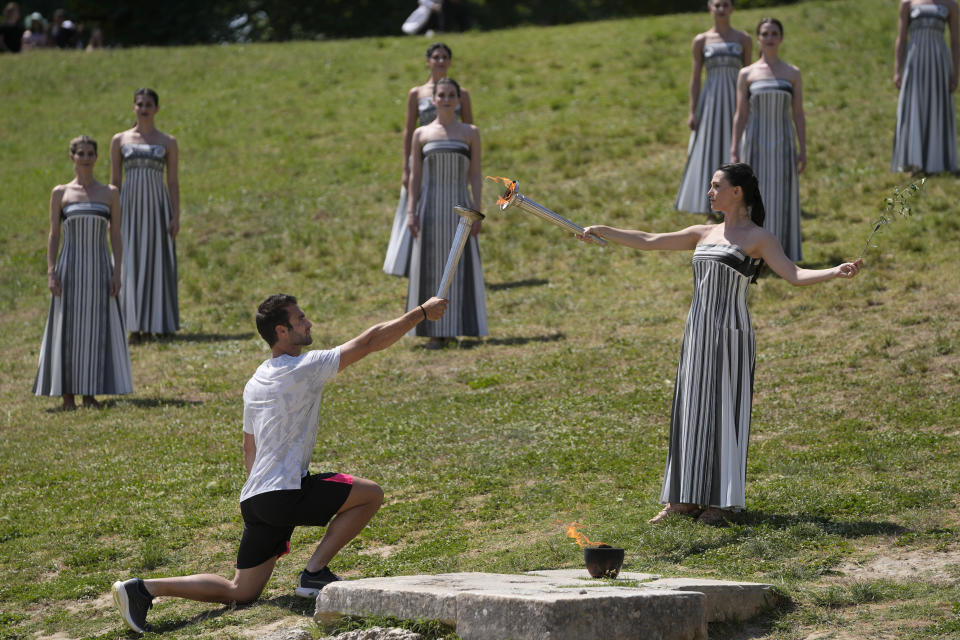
(446,160)
(710,419)
(422,110)
(926,75)
(83,351)
(764,137)
(151,220)
(722,51)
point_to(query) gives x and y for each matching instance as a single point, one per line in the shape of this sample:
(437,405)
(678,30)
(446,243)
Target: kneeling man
(281,408)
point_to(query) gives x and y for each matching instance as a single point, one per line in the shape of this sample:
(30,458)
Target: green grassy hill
(290,167)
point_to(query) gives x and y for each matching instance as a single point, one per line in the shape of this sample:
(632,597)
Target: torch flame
(581,539)
(511,186)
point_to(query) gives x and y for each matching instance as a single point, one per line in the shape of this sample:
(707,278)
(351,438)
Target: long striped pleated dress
(769,146)
(713,397)
(149,291)
(84,348)
(397,260)
(926,135)
(444,185)
(710,142)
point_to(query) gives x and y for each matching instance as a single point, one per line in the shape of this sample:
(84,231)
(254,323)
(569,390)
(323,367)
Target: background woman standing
(722,50)
(420,111)
(83,349)
(151,220)
(706,467)
(445,171)
(926,75)
(767,92)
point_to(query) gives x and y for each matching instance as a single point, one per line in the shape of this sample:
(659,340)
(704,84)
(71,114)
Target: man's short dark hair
(272,312)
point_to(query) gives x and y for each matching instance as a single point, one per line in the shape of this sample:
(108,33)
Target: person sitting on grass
(281,406)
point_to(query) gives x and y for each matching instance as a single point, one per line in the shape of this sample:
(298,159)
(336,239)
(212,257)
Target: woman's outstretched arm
(683,240)
(772,253)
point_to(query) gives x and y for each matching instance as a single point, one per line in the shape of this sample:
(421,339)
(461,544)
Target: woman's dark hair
(143,91)
(439,45)
(740,174)
(79,140)
(273,312)
(449,81)
(764,21)
(710,2)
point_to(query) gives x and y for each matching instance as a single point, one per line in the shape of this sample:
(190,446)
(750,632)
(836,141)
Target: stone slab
(485,606)
(725,600)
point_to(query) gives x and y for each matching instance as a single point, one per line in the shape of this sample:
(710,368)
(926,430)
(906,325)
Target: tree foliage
(177,22)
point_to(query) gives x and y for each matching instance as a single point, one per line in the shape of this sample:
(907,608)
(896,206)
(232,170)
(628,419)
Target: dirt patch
(87,606)
(905,565)
(384,551)
(277,627)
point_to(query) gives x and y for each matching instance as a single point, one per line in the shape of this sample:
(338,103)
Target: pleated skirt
(710,142)
(84,349)
(713,396)
(769,146)
(926,134)
(397,260)
(444,186)
(149,291)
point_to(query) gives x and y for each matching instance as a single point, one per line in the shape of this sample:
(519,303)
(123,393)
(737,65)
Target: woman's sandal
(715,517)
(691,510)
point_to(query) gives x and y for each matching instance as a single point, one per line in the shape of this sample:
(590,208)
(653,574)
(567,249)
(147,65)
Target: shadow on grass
(758,627)
(203,337)
(511,341)
(143,403)
(743,527)
(851,529)
(150,403)
(293,604)
(516,284)
(170,626)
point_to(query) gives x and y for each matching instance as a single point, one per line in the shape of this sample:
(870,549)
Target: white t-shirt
(281,408)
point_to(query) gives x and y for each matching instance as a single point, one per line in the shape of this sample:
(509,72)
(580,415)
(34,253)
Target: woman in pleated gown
(713,396)
(721,50)
(151,220)
(445,172)
(925,72)
(420,111)
(84,351)
(770,134)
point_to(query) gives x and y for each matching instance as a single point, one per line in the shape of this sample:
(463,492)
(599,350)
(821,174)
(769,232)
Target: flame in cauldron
(581,539)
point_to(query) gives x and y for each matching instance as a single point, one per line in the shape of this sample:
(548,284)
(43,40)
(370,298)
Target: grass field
(290,158)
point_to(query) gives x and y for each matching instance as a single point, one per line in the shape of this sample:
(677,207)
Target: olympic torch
(467,218)
(512,197)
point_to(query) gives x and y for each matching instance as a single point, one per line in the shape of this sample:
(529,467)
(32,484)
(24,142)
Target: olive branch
(893,206)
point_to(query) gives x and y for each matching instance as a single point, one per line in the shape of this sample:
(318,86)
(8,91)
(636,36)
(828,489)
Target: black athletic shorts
(269,518)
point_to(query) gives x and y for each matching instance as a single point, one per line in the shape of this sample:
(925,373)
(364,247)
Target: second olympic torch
(512,197)
(467,218)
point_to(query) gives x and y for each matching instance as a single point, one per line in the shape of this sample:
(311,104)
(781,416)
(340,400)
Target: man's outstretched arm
(380,336)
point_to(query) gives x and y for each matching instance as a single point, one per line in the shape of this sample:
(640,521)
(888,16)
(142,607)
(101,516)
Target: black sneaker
(309,584)
(133,603)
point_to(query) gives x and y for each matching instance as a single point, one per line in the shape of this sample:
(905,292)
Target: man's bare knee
(245,594)
(376,495)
